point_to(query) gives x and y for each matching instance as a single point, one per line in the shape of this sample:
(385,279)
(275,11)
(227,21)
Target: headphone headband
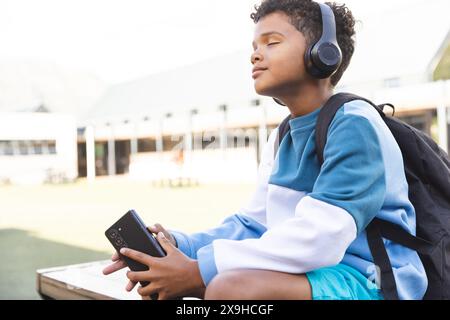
(328,24)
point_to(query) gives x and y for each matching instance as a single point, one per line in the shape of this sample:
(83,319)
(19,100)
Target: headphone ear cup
(322,60)
(310,66)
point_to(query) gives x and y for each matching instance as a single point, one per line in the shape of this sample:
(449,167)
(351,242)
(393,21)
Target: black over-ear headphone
(323,58)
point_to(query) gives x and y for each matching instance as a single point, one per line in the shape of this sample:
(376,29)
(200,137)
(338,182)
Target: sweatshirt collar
(305,121)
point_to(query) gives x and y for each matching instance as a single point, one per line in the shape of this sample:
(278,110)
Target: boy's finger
(137,276)
(114,267)
(147,291)
(130,286)
(137,256)
(115,256)
(160,227)
(157,228)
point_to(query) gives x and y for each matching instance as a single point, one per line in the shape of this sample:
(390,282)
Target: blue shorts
(341,282)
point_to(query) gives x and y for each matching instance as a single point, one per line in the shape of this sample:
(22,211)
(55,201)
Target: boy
(302,236)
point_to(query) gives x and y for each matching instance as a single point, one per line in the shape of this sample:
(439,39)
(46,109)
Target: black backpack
(427,169)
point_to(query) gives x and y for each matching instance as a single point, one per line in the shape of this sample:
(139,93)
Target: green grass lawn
(48,226)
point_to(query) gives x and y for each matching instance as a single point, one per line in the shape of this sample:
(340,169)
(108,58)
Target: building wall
(26,163)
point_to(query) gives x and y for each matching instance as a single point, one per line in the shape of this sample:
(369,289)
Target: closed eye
(272,43)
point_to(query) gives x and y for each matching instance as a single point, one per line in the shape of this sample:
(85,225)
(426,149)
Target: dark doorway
(101,158)
(123,150)
(82,160)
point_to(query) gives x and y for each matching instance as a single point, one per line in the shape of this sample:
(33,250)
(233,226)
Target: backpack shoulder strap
(283,129)
(376,231)
(325,118)
(381,259)
(327,114)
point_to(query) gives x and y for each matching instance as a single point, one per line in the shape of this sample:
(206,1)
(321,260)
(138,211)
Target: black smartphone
(131,232)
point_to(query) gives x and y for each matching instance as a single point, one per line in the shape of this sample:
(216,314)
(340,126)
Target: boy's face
(278,49)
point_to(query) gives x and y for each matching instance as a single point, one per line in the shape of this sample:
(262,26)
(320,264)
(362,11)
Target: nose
(256,57)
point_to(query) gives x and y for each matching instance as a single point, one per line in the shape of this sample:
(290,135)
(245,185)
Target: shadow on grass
(22,253)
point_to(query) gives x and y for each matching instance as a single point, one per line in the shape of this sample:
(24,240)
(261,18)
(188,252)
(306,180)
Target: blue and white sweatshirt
(304,216)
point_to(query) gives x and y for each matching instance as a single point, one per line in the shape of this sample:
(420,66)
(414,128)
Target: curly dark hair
(306,17)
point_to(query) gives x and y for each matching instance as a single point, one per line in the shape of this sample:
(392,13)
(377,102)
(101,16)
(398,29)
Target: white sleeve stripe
(316,237)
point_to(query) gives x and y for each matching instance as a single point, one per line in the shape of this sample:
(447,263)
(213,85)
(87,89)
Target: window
(174,142)
(146,145)
(37,147)
(23,148)
(392,82)
(6,148)
(51,147)
(27,147)
(239,138)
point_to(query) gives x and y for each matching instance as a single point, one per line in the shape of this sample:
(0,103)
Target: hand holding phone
(130,232)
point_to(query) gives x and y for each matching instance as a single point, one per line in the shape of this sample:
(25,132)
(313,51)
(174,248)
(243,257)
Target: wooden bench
(83,282)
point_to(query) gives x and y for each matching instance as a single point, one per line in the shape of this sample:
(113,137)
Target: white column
(223,132)
(90,153)
(159,138)
(188,135)
(111,154)
(134,140)
(442,127)
(188,147)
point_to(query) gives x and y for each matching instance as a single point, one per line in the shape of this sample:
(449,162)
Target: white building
(39,107)
(37,147)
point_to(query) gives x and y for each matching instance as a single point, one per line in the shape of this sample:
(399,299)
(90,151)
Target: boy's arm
(347,195)
(249,222)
